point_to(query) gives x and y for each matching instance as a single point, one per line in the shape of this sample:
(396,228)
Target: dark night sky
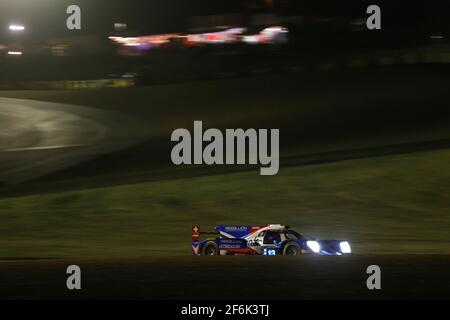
(47,17)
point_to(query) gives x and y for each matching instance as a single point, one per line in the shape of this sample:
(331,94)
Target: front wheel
(292,249)
(210,249)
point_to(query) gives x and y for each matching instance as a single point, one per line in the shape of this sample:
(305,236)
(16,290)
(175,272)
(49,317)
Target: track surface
(192,171)
(305,277)
(37,138)
(406,108)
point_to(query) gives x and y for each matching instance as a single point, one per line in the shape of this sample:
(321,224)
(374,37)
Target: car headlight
(314,246)
(345,247)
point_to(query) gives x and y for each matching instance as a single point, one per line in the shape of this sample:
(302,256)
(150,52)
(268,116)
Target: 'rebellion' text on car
(270,240)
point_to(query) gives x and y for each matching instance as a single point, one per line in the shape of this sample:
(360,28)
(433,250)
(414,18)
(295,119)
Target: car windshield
(272,237)
(293,235)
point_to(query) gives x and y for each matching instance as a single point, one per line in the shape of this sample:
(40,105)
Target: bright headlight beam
(14,53)
(345,247)
(314,246)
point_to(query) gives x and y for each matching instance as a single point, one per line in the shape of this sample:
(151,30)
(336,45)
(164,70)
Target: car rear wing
(196,233)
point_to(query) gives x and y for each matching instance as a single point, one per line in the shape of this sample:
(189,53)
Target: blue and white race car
(270,240)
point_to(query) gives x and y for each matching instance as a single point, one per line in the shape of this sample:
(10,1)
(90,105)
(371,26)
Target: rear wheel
(210,249)
(292,249)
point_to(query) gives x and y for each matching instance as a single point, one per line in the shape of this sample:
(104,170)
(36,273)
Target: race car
(269,240)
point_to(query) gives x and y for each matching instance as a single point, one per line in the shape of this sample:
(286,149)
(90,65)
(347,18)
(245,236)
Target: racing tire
(292,249)
(210,249)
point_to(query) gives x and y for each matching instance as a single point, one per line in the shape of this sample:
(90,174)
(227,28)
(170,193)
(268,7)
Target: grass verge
(392,204)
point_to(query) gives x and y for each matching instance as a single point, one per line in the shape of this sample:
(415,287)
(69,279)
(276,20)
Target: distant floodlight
(15,27)
(15,53)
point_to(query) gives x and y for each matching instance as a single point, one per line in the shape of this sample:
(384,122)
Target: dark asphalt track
(231,278)
(48,142)
(198,171)
(60,145)
(37,138)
